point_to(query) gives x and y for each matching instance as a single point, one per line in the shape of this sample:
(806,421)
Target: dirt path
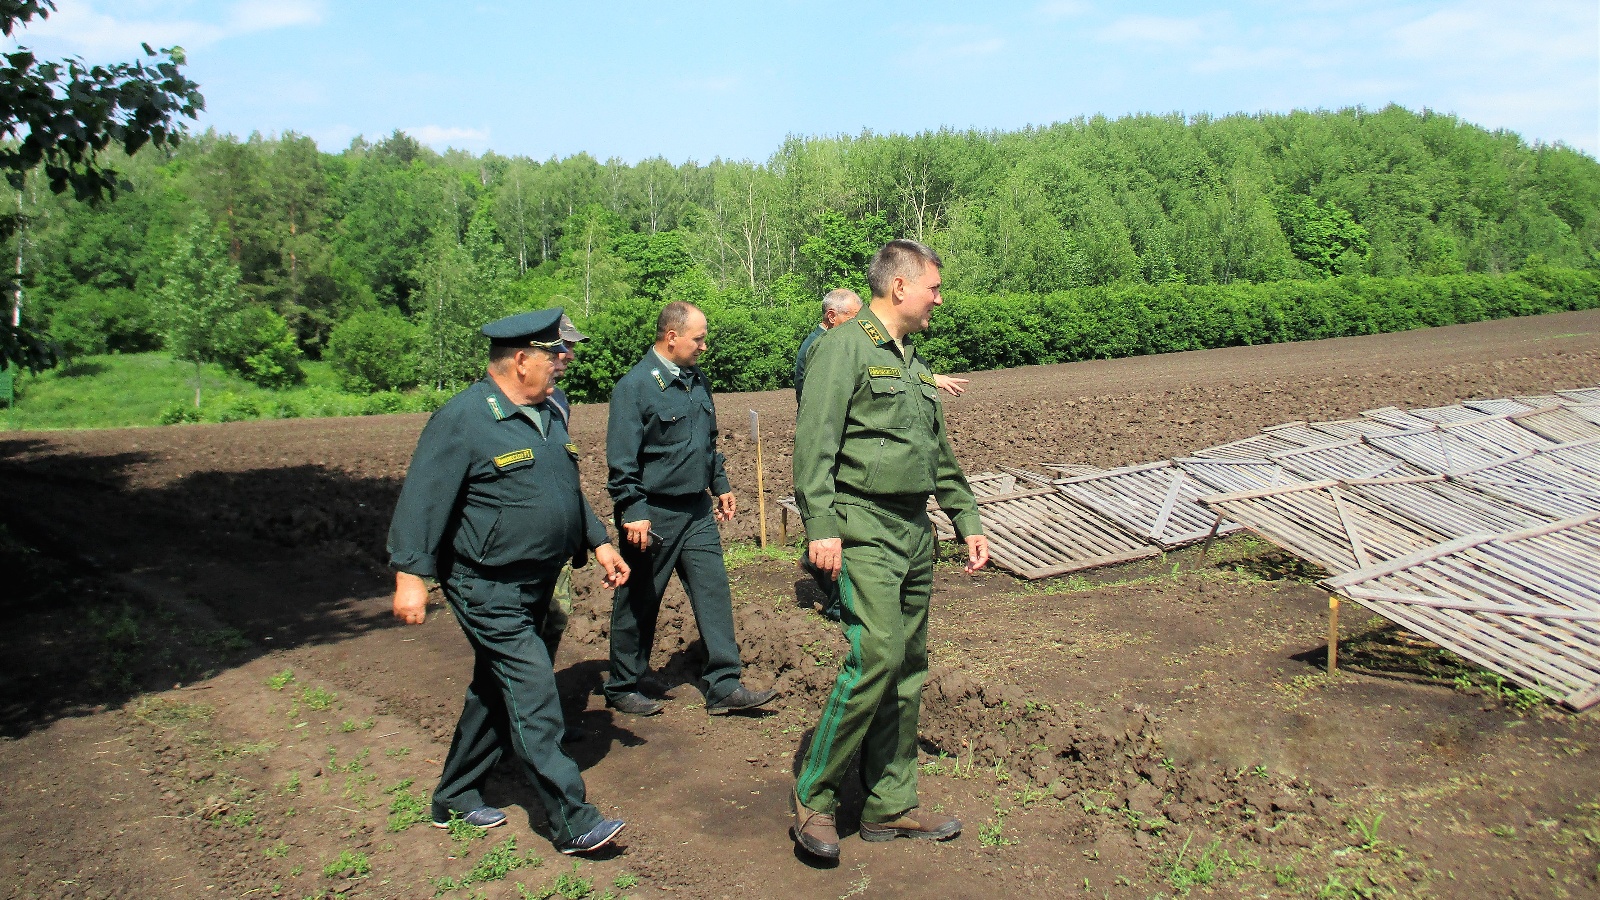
(213,701)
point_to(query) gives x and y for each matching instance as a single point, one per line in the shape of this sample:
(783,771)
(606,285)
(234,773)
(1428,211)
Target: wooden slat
(1155,500)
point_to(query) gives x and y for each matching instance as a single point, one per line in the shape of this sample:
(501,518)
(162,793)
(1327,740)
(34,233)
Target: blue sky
(732,79)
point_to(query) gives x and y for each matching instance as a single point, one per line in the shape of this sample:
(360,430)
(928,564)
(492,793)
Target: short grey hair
(840,300)
(899,259)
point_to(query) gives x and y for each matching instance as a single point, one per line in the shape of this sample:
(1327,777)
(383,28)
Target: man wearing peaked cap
(492,510)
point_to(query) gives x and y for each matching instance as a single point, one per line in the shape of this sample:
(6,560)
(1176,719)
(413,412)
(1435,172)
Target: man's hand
(725,507)
(955,387)
(410,598)
(616,571)
(977,553)
(637,533)
(828,555)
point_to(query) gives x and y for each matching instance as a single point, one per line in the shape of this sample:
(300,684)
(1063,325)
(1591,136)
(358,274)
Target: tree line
(384,257)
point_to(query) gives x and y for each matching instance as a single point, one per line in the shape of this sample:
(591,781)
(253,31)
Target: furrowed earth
(204,694)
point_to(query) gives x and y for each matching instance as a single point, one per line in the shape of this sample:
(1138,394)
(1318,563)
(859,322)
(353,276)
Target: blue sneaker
(482,817)
(594,838)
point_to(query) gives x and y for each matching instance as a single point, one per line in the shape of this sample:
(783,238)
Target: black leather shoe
(741,698)
(634,704)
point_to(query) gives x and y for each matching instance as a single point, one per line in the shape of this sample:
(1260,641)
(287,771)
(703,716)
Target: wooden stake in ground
(1333,632)
(761,487)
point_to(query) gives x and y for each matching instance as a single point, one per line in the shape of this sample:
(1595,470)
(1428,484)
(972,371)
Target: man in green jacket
(669,490)
(492,509)
(870,446)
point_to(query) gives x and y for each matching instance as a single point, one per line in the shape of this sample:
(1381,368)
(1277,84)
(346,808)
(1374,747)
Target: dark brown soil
(1143,731)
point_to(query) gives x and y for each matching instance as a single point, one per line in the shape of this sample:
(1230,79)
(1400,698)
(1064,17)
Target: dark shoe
(594,838)
(913,823)
(741,698)
(482,817)
(815,832)
(634,704)
(574,735)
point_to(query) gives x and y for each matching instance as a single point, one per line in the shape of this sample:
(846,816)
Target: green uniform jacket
(487,488)
(661,438)
(802,357)
(872,426)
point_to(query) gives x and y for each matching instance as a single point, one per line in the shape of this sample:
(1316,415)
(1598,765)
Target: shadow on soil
(103,575)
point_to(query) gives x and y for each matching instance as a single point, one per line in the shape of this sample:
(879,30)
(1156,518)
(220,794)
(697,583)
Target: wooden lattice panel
(1524,604)
(1442,449)
(1157,501)
(1301,434)
(1581,395)
(1231,475)
(1345,429)
(1399,418)
(1324,523)
(1561,423)
(1345,460)
(1543,482)
(1446,507)
(1254,447)
(1040,533)
(1453,413)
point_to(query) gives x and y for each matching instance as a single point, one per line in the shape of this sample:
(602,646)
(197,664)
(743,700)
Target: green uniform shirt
(803,357)
(661,438)
(872,426)
(487,487)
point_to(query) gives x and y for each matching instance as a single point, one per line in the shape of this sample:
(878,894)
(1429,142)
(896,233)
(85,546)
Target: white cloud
(1152,30)
(80,28)
(1239,59)
(440,137)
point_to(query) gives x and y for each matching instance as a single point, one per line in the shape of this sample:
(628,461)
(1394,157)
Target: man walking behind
(491,508)
(669,490)
(870,446)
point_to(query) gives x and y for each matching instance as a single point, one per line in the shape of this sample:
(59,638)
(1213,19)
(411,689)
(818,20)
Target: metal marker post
(761,487)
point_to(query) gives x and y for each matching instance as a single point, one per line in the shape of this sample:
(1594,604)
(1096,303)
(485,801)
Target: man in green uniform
(870,446)
(669,490)
(555,620)
(491,508)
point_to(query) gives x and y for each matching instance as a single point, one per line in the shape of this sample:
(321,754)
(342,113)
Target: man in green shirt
(492,509)
(669,490)
(870,446)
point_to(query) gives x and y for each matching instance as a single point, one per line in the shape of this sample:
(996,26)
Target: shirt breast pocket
(887,406)
(513,478)
(671,427)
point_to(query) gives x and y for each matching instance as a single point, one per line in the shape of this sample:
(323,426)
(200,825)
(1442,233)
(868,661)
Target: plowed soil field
(202,693)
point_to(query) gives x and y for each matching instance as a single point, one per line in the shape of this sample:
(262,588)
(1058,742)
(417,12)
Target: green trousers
(511,704)
(687,542)
(884,589)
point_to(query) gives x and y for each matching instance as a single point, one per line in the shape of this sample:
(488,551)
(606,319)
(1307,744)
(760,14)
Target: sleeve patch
(514,457)
(927,379)
(883,372)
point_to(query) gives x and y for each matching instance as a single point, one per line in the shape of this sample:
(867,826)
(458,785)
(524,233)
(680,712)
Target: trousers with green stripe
(883,590)
(511,703)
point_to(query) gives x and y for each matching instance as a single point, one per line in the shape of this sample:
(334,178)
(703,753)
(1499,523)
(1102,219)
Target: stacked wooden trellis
(1475,524)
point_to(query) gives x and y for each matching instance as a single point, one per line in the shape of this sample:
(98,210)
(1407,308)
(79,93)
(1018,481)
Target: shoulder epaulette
(494,407)
(927,379)
(872,331)
(659,380)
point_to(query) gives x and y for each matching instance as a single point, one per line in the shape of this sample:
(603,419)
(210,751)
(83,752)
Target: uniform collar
(666,371)
(876,332)
(500,406)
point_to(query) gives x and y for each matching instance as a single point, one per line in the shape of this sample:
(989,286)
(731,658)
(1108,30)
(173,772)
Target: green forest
(268,260)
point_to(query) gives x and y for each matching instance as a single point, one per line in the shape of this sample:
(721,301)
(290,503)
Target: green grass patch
(135,389)
(350,864)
